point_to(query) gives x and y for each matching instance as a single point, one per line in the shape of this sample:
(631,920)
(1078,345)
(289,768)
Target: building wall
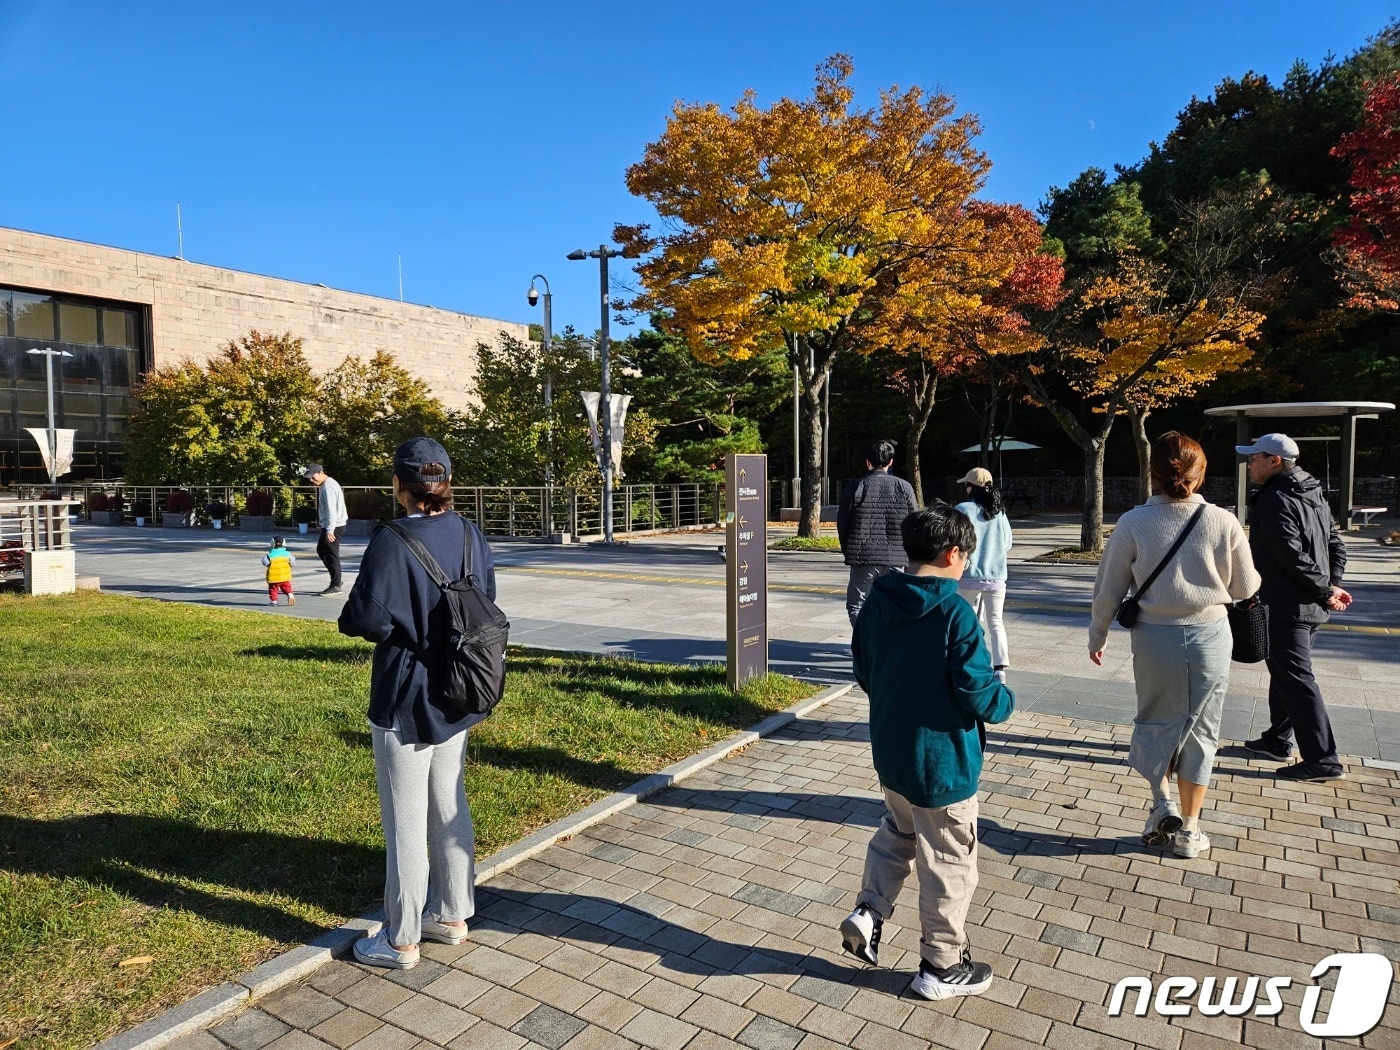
(196,309)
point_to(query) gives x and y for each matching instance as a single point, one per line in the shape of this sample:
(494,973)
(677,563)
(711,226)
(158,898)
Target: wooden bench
(1367,513)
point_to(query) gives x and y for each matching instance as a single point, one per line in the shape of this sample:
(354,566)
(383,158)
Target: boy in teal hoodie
(920,656)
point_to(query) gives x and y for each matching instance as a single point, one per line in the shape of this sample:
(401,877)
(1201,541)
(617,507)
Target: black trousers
(1296,710)
(329,553)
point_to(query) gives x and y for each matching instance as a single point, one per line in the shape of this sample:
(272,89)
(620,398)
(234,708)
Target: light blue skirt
(1181,672)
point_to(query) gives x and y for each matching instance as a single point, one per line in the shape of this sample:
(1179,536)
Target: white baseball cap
(1280,445)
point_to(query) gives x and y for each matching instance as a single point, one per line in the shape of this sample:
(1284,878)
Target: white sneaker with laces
(377,951)
(1190,844)
(860,934)
(1162,823)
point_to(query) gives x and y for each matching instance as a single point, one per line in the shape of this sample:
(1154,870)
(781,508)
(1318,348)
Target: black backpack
(466,647)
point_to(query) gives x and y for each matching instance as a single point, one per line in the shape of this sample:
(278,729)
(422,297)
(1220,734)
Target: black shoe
(1269,749)
(860,934)
(1310,771)
(333,589)
(962,978)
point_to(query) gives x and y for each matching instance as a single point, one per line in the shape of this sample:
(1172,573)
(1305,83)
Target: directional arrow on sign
(743,474)
(743,523)
(743,566)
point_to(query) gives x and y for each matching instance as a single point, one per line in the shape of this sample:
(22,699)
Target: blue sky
(315,141)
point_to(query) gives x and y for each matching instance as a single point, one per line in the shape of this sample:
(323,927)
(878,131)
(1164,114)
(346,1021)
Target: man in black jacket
(1301,559)
(872,509)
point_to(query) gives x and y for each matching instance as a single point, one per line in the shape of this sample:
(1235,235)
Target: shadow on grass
(143,857)
(321,654)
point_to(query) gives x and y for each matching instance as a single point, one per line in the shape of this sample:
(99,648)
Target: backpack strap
(467,552)
(416,548)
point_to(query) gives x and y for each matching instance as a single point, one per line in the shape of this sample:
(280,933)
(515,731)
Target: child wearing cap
(984,583)
(279,562)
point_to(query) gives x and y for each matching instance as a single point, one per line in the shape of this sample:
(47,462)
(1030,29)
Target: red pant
(274,589)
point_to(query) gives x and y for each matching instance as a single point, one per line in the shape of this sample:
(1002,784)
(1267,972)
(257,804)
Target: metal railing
(499,510)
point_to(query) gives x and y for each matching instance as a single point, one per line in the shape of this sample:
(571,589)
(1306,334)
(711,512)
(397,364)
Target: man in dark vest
(872,508)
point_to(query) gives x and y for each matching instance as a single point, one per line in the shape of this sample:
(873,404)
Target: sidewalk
(707,916)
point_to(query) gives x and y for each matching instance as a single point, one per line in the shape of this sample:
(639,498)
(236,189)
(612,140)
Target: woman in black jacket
(419,744)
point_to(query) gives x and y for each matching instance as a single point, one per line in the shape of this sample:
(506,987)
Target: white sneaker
(442,933)
(1190,844)
(860,934)
(377,951)
(1162,823)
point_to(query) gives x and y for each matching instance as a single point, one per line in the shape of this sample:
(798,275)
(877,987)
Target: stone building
(121,313)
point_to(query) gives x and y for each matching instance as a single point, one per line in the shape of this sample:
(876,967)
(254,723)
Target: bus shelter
(1348,412)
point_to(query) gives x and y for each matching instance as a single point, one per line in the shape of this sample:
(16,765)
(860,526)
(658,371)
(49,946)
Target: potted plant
(216,511)
(363,507)
(141,510)
(257,512)
(304,516)
(104,509)
(179,510)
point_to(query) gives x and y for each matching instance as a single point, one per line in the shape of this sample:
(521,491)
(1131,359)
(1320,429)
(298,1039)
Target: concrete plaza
(706,916)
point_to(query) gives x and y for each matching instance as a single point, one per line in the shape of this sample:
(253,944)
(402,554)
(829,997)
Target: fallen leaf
(135,960)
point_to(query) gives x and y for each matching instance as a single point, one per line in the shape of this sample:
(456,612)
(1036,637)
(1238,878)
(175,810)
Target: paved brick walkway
(706,917)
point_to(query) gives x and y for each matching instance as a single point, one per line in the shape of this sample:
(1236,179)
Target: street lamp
(603,254)
(533,296)
(49,354)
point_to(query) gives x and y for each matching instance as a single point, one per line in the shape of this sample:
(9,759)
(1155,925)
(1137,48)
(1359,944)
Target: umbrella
(1009,444)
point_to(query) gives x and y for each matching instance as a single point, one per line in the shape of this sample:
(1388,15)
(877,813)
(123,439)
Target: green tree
(242,419)
(365,410)
(702,413)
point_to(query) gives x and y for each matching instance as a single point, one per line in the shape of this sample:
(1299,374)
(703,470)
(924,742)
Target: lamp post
(533,296)
(603,254)
(49,354)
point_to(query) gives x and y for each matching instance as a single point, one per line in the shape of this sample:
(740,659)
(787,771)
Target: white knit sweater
(1213,567)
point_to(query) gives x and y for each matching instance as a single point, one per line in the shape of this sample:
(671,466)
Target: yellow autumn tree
(785,226)
(1143,339)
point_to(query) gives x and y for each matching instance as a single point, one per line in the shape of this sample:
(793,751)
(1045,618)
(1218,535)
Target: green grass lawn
(197,786)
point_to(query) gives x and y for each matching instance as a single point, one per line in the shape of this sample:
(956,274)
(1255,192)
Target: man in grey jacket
(1301,559)
(868,520)
(331,517)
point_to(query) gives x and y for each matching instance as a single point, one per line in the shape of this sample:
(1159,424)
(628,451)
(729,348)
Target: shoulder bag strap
(467,552)
(416,548)
(1185,531)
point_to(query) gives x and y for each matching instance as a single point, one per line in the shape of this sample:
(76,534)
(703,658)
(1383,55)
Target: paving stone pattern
(707,916)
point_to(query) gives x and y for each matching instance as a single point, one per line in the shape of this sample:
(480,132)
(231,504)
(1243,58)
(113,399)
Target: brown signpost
(746,527)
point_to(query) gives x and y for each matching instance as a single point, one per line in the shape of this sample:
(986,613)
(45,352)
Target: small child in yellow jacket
(279,562)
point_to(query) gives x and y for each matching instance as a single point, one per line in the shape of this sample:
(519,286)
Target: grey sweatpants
(858,587)
(941,846)
(427,829)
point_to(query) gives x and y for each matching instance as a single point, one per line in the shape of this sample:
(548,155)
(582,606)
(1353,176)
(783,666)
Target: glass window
(4,311)
(119,369)
(118,327)
(77,324)
(84,368)
(33,316)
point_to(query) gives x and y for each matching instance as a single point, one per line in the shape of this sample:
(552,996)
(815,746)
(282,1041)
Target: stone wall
(196,309)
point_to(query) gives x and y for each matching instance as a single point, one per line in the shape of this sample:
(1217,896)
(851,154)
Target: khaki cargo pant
(941,845)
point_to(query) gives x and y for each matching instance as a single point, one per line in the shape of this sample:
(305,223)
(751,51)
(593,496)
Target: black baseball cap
(416,453)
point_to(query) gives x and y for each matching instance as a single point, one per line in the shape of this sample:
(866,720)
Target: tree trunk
(1091,527)
(922,395)
(809,524)
(1138,419)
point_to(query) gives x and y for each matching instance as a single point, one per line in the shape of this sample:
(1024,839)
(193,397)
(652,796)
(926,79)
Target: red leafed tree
(1369,247)
(996,340)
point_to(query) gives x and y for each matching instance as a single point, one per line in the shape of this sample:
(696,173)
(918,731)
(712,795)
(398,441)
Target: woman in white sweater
(1181,641)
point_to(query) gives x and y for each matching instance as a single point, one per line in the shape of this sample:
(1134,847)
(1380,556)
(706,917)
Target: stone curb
(216,1003)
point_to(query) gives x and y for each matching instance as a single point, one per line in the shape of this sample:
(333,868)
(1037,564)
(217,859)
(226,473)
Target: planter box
(257,522)
(171,520)
(105,517)
(360,526)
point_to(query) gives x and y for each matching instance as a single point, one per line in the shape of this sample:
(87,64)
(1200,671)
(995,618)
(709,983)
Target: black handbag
(1128,609)
(1249,625)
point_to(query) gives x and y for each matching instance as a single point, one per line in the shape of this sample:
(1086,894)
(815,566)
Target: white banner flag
(618,404)
(64,454)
